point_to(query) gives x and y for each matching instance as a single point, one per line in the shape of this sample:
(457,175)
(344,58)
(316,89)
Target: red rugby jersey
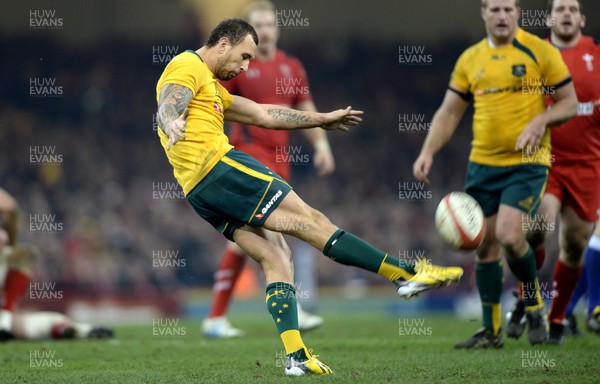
(279,81)
(579,138)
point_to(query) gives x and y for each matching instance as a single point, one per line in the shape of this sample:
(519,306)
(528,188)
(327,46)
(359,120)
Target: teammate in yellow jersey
(245,200)
(507,75)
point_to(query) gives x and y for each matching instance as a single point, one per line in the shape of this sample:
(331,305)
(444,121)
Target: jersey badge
(518,70)
(588,61)
(285,70)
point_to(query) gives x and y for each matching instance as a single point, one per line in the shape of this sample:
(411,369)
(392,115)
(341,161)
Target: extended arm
(173,112)
(272,116)
(443,125)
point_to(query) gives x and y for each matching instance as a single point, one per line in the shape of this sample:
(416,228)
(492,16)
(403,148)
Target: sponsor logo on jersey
(585,109)
(217,107)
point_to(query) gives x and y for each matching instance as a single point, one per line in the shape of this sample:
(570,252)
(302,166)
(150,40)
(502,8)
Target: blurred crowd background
(107,189)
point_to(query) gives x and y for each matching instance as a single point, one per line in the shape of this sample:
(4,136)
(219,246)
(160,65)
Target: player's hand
(176,130)
(324,162)
(342,119)
(531,137)
(422,166)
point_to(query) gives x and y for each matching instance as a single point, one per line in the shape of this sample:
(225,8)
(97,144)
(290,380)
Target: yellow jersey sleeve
(459,80)
(552,66)
(183,71)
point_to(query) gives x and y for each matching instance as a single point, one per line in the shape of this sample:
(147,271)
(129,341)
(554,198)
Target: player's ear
(223,43)
(582,22)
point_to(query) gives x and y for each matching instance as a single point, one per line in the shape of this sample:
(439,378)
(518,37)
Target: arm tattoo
(291,116)
(174,99)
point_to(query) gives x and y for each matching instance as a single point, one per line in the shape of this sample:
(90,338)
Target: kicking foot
(428,276)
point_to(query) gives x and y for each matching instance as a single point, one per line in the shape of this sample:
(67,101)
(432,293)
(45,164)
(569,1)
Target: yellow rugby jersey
(508,85)
(205,141)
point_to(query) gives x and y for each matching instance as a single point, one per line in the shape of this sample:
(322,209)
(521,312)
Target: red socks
(564,282)
(15,285)
(540,256)
(227,274)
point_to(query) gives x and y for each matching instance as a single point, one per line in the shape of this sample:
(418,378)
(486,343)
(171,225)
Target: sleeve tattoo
(289,116)
(174,99)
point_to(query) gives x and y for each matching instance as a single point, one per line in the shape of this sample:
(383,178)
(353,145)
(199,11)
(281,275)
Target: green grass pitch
(360,347)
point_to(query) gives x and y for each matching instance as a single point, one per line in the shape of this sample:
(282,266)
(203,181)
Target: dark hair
(235,30)
(551,3)
(484,3)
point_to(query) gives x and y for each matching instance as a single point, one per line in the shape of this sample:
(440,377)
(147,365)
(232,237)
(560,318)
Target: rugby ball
(460,222)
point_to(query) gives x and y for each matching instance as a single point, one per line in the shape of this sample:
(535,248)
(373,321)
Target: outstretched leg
(310,225)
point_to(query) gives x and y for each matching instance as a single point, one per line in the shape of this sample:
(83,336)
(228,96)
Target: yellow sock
(496,317)
(292,341)
(394,270)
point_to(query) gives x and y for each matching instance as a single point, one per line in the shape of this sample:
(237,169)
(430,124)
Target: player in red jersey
(572,188)
(272,78)
(17,262)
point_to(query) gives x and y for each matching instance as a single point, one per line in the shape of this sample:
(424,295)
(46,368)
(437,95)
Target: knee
(318,218)
(512,241)
(281,253)
(309,221)
(574,247)
(286,252)
(489,250)
(536,239)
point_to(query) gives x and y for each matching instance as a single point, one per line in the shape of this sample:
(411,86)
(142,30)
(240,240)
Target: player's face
(265,24)
(235,59)
(566,19)
(501,17)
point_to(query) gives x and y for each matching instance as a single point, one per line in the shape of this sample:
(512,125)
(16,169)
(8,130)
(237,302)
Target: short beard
(567,38)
